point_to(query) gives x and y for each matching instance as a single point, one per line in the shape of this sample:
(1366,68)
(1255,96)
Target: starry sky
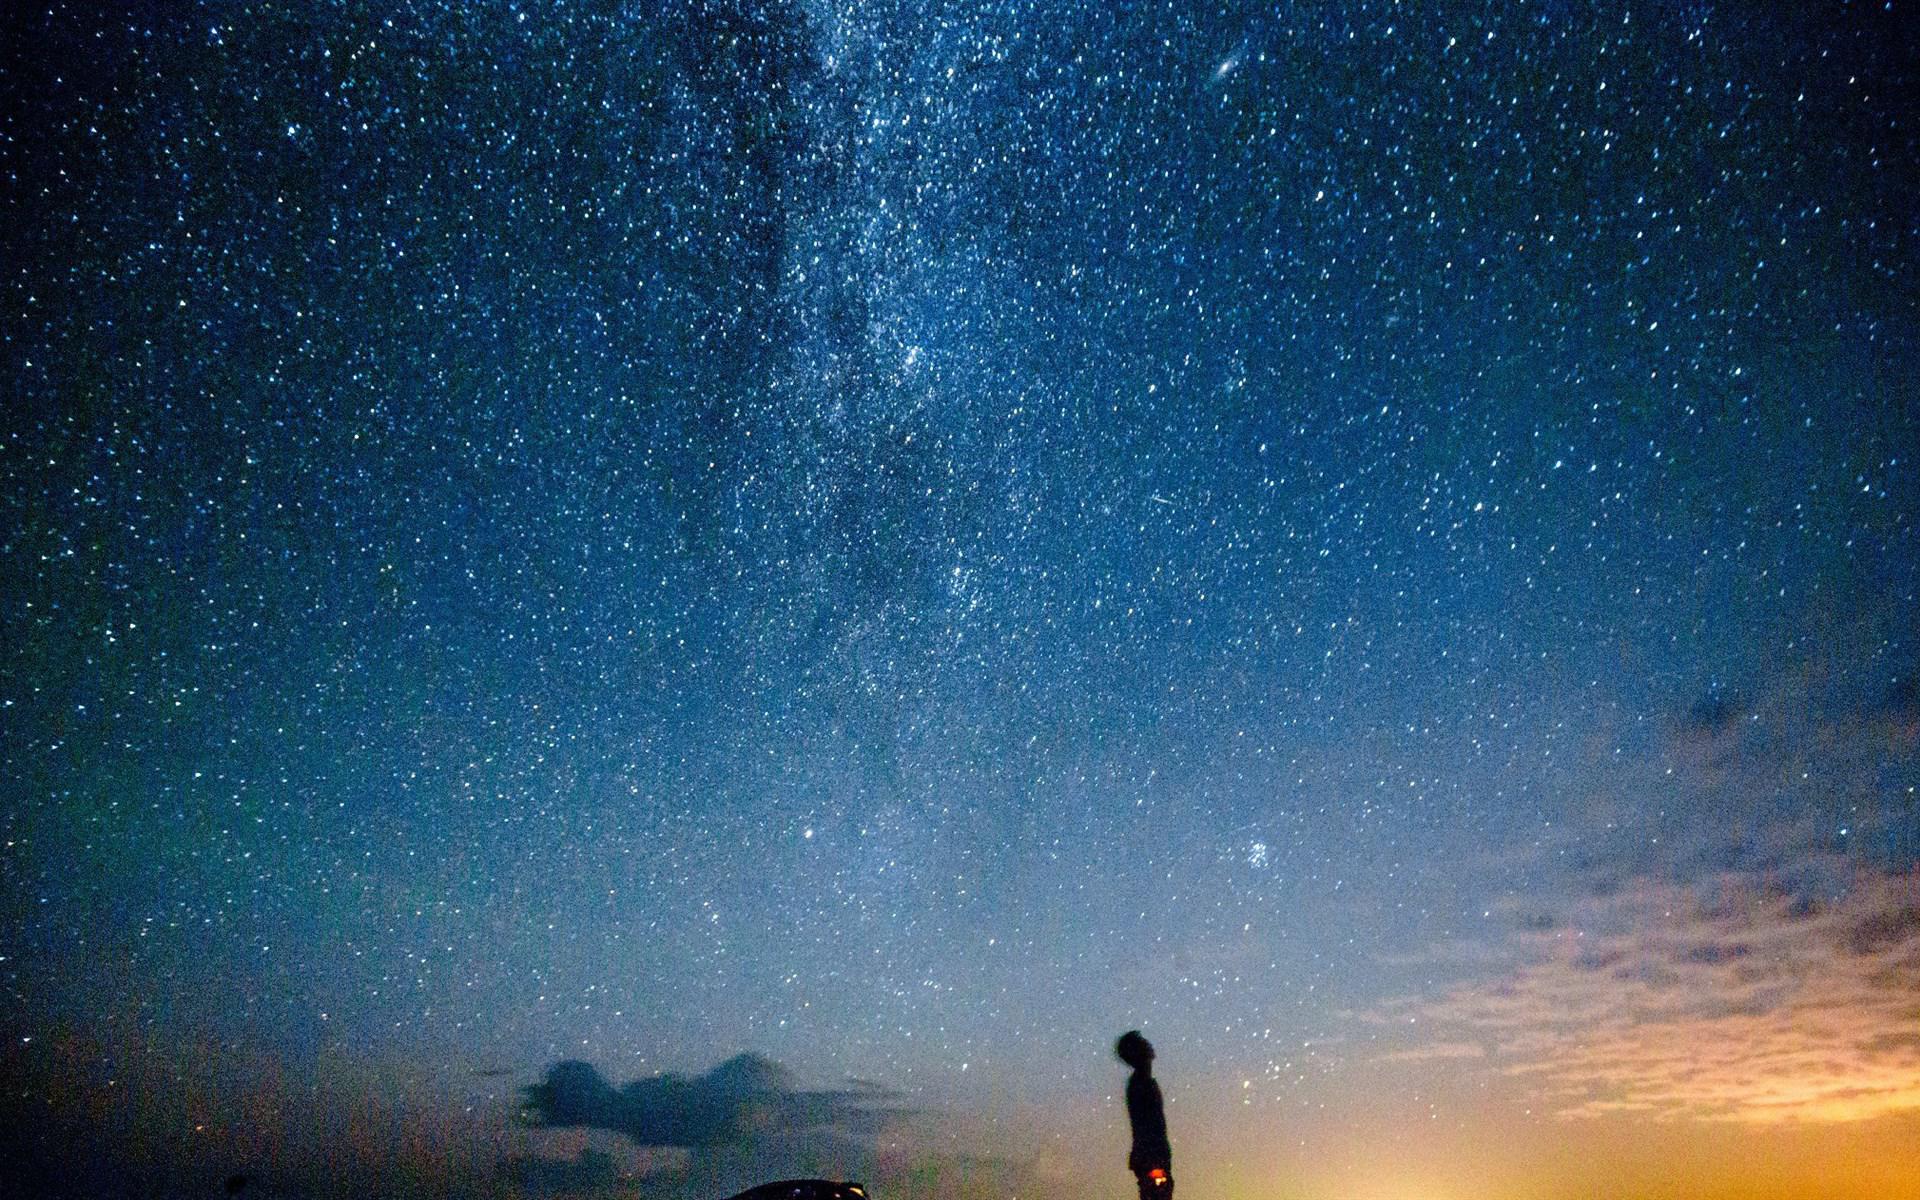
(569,565)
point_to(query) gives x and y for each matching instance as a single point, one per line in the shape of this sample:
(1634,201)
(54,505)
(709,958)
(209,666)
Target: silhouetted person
(1151,1159)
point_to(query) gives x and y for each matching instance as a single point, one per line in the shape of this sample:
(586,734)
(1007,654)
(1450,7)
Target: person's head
(1134,1050)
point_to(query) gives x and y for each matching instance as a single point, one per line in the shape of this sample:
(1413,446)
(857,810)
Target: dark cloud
(1902,700)
(1714,711)
(745,1123)
(747,1098)
(1711,953)
(1882,931)
(1785,777)
(1598,960)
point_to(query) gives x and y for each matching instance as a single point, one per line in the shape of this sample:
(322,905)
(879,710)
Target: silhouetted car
(804,1189)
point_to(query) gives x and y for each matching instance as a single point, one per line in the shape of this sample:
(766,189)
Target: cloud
(745,1123)
(745,1098)
(1436,1052)
(740,1124)
(1725,926)
(1713,712)
(1736,998)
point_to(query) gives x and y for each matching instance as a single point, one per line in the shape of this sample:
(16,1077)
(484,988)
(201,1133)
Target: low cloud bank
(745,1098)
(743,1123)
(1735,999)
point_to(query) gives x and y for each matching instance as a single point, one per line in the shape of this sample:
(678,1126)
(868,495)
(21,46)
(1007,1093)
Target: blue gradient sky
(1375,543)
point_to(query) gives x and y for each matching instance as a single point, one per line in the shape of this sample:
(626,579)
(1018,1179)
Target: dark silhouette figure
(1151,1159)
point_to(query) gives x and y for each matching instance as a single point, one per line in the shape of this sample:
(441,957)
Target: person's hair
(1133,1049)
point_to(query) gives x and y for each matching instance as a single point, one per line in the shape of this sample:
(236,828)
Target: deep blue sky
(909,538)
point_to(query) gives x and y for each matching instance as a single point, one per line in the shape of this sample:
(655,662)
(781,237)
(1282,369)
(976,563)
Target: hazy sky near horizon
(1373,542)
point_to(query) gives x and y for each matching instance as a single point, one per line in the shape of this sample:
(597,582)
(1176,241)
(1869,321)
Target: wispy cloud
(1732,999)
(1435,1052)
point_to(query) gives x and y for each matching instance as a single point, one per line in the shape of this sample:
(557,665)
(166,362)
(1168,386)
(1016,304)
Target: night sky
(1375,543)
